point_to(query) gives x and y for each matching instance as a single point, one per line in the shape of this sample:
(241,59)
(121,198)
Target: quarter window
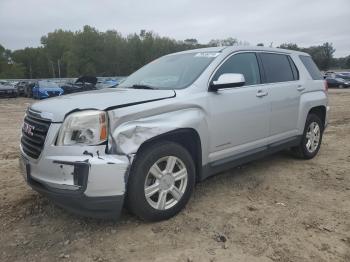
(243,63)
(311,67)
(277,68)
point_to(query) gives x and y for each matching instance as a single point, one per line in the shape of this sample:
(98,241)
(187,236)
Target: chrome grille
(34,133)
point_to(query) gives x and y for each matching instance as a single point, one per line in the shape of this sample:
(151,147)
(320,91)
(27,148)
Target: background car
(107,83)
(8,90)
(28,89)
(45,89)
(329,73)
(84,83)
(344,75)
(20,87)
(337,82)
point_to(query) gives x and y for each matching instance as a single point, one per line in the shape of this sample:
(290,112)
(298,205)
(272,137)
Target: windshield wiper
(142,87)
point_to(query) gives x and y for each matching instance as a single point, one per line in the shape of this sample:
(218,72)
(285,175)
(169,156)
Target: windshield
(170,72)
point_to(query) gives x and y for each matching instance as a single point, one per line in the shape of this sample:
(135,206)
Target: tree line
(92,52)
(322,55)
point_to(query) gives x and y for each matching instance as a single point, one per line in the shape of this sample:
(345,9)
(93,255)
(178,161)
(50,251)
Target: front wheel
(311,139)
(161,181)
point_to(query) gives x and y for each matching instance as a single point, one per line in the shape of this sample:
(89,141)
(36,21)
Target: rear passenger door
(281,77)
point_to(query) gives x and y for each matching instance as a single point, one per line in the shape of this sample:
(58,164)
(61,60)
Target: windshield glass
(171,72)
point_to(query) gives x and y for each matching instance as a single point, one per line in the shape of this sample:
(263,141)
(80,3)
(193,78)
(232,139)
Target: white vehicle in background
(7,89)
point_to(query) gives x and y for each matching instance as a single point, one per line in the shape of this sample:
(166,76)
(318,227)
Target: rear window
(311,67)
(277,68)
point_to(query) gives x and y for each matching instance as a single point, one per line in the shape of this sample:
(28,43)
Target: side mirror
(227,81)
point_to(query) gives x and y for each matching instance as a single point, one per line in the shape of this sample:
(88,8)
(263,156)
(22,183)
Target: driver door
(240,116)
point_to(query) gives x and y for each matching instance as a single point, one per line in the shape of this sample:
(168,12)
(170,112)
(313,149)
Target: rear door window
(242,63)
(277,68)
(311,67)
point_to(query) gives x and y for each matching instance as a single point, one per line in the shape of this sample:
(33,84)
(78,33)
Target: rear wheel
(311,139)
(341,86)
(161,181)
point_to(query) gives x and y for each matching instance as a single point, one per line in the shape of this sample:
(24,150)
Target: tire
(340,86)
(151,208)
(307,150)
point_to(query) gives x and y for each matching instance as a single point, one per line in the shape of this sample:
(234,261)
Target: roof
(230,49)
(262,48)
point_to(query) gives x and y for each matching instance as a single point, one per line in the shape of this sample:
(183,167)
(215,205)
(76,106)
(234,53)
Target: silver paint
(228,122)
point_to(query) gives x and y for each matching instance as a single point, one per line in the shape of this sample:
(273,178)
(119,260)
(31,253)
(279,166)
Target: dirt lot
(275,209)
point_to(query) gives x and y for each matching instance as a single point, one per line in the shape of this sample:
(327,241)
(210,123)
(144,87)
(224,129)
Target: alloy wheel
(166,182)
(313,135)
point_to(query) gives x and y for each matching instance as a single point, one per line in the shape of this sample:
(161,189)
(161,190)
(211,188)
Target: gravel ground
(274,209)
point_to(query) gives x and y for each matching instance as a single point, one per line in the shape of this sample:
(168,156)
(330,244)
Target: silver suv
(174,122)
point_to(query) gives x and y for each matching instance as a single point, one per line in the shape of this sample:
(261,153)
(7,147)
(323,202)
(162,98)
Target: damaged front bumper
(82,179)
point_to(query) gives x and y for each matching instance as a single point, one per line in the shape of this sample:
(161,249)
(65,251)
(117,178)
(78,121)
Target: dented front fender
(130,135)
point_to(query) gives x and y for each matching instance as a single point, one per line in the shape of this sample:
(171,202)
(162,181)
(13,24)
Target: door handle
(300,88)
(261,93)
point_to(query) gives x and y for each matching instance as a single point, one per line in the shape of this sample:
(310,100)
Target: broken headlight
(85,127)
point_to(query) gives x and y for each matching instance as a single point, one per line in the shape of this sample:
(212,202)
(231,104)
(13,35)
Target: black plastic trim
(239,159)
(80,174)
(97,207)
(215,88)
(295,69)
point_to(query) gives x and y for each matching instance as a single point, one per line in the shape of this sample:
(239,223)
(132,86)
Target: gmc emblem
(28,129)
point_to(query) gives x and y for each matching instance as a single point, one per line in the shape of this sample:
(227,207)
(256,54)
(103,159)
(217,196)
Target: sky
(304,22)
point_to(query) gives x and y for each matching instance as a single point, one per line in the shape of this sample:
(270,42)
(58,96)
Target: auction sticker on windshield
(207,54)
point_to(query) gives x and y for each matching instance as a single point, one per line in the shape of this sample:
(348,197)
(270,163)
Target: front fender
(129,136)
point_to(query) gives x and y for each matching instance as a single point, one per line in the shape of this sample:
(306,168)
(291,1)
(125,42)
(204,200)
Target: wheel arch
(186,137)
(320,111)
(312,102)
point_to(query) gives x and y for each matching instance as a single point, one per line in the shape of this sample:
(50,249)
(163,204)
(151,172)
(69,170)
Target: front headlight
(85,127)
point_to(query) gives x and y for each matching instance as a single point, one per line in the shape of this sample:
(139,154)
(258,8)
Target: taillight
(325,86)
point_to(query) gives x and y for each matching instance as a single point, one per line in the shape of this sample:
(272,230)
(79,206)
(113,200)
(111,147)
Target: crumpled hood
(57,108)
